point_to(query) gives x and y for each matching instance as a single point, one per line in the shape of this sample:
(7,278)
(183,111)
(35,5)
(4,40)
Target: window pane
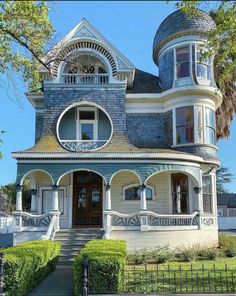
(210,118)
(183,70)
(87,131)
(184,116)
(47,201)
(206,203)
(207,193)
(132,193)
(210,126)
(202,70)
(148,194)
(210,136)
(182,54)
(206,184)
(184,135)
(86,115)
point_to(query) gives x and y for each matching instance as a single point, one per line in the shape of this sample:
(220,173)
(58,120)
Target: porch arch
(126,170)
(33,171)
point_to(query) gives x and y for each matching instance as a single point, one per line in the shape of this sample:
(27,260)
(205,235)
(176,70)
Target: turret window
(202,64)
(184,125)
(210,126)
(182,62)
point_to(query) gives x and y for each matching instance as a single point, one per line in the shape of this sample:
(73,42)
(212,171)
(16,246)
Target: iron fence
(159,279)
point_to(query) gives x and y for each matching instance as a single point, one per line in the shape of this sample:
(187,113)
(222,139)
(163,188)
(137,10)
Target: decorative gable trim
(84,32)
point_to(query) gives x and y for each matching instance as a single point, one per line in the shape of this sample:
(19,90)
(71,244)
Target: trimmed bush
(208,253)
(146,256)
(187,255)
(106,263)
(27,264)
(227,245)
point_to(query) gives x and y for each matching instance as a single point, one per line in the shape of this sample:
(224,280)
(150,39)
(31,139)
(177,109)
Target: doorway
(87,199)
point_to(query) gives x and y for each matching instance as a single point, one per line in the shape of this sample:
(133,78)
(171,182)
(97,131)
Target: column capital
(33,191)
(142,187)
(55,187)
(19,187)
(107,186)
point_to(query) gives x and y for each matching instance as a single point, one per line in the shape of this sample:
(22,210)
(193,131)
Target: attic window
(85,69)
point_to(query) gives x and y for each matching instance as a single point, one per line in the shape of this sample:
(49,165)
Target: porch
(154,211)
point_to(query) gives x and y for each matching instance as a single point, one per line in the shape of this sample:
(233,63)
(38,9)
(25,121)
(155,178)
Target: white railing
(147,220)
(84,78)
(82,145)
(48,223)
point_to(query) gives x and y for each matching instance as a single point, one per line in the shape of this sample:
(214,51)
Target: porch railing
(84,78)
(81,145)
(48,223)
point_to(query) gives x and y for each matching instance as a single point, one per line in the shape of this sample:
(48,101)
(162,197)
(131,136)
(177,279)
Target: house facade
(121,149)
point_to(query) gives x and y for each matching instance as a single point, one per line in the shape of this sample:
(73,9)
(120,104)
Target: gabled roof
(85,31)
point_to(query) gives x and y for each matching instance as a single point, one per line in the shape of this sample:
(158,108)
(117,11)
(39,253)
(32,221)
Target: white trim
(35,170)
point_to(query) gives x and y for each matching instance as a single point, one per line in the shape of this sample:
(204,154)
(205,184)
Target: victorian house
(121,149)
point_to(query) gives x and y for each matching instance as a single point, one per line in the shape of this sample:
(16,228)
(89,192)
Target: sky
(130,26)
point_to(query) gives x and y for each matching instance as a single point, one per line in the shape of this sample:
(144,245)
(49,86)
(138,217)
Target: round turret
(177,49)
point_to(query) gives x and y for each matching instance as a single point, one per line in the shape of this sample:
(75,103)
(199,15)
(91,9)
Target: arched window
(132,192)
(85,69)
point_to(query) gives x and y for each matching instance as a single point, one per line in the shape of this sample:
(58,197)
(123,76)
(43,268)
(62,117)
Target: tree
(221,41)
(223,176)
(25,30)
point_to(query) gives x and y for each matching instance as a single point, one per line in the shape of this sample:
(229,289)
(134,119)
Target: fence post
(2,262)
(85,264)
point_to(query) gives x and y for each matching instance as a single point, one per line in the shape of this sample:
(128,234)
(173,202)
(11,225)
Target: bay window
(184,125)
(210,127)
(207,193)
(182,62)
(202,64)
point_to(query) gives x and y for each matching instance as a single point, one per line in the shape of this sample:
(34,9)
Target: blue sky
(129,26)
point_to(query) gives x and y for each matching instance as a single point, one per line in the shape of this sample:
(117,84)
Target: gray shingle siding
(166,69)
(206,152)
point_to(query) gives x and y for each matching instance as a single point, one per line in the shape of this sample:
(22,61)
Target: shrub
(162,257)
(208,253)
(106,263)
(135,258)
(187,255)
(27,264)
(227,245)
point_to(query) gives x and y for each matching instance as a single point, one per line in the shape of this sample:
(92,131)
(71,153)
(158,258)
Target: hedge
(27,264)
(106,263)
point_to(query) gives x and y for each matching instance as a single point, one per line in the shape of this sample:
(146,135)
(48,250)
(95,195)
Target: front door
(87,201)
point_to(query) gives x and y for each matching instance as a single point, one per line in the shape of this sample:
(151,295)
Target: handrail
(53,227)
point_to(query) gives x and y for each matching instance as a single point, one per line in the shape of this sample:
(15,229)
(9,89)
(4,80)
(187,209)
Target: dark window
(210,127)
(86,115)
(182,62)
(180,193)
(133,193)
(207,194)
(184,125)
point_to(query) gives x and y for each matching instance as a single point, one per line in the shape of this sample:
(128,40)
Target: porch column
(33,206)
(108,197)
(107,225)
(55,201)
(19,197)
(178,199)
(143,199)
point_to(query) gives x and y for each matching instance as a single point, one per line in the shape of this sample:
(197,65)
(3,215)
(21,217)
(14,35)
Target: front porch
(154,211)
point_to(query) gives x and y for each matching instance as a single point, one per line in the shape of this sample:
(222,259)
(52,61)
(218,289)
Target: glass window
(207,194)
(202,64)
(87,115)
(210,127)
(87,131)
(47,200)
(133,193)
(180,193)
(182,62)
(184,125)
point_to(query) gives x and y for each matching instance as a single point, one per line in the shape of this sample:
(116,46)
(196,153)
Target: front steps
(73,240)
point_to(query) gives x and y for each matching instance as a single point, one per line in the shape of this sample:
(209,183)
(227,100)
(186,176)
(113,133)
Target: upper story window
(210,134)
(182,62)
(132,192)
(87,123)
(85,69)
(202,64)
(184,125)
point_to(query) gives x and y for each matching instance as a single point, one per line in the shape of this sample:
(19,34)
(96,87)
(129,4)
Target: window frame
(137,185)
(206,126)
(178,126)
(203,62)
(182,192)
(49,188)
(208,194)
(79,122)
(189,61)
